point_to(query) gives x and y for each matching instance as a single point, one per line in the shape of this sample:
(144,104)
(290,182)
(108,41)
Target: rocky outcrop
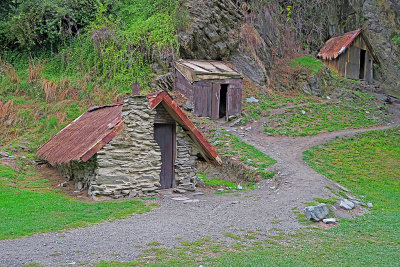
(218,31)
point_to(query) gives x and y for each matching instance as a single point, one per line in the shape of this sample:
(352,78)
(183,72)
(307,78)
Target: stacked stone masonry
(130,164)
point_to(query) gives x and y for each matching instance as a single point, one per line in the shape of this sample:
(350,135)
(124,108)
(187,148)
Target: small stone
(329,221)
(239,187)
(191,201)
(342,187)
(220,189)
(198,194)
(346,204)
(303,112)
(236,122)
(179,191)
(64,184)
(251,100)
(180,198)
(317,213)
(369,205)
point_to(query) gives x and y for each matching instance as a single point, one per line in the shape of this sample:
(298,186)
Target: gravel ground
(214,215)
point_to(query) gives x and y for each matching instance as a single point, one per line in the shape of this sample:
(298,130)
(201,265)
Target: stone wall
(82,173)
(130,164)
(185,163)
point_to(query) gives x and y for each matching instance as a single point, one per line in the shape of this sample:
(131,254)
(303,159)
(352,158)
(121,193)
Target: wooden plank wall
(183,86)
(234,97)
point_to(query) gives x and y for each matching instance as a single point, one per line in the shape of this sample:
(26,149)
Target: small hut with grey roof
(212,87)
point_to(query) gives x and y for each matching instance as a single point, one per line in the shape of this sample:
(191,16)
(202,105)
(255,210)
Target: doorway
(222,100)
(362,63)
(164,134)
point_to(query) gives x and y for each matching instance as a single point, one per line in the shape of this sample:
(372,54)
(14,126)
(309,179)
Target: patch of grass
(231,235)
(326,201)
(29,205)
(308,62)
(359,112)
(153,244)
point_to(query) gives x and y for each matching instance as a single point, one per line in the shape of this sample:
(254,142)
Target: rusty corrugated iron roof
(208,151)
(197,70)
(337,45)
(81,139)
(89,133)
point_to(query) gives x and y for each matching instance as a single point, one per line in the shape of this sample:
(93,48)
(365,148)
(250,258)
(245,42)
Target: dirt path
(214,215)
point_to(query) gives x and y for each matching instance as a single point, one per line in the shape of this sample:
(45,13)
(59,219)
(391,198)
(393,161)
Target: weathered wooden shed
(130,148)
(351,55)
(214,89)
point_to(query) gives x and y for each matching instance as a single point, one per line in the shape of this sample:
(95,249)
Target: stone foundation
(82,173)
(130,164)
(185,162)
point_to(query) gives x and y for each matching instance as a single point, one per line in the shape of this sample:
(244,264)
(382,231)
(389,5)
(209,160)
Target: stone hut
(351,55)
(213,88)
(132,148)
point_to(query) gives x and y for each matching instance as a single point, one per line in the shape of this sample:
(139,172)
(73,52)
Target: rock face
(317,213)
(218,31)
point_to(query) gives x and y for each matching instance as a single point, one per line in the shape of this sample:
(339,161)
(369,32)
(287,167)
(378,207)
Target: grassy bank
(29,205)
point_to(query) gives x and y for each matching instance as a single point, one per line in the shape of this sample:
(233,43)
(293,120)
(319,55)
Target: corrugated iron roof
(207,150)
(89,133)
(196,70)
(93,129)
(337,45)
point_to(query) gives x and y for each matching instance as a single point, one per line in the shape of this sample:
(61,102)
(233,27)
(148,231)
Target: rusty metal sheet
(208,151)
(87,133)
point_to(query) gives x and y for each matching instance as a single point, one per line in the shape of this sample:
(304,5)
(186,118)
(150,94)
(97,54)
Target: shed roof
(90,132)
(197,70)
(335,46)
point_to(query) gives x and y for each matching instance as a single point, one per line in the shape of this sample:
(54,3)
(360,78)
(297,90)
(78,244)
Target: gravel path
(214,215)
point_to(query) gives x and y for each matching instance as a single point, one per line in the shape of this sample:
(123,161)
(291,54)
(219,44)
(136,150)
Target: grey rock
(191,201)
(317,213)
(346,204)
(179,191)
(329,221)
(64,184)
(198,194)
(369,205)
(188,106)
(251,100)
(180,198)
(220,189)
(236,122)
(342,187)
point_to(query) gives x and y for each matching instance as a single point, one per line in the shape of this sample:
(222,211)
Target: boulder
(317,213)
(347,204)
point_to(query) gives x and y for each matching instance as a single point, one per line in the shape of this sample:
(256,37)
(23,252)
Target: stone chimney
(135,88)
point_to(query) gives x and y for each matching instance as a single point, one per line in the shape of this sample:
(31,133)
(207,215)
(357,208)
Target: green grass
(255,111)
(308,62)
(357,113)
(229,145)
(28,205)
(369,165)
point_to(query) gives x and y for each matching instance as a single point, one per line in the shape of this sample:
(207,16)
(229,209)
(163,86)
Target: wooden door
(215,101)
(164,134)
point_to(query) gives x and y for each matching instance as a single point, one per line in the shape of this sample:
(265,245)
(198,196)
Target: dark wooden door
(164,134)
